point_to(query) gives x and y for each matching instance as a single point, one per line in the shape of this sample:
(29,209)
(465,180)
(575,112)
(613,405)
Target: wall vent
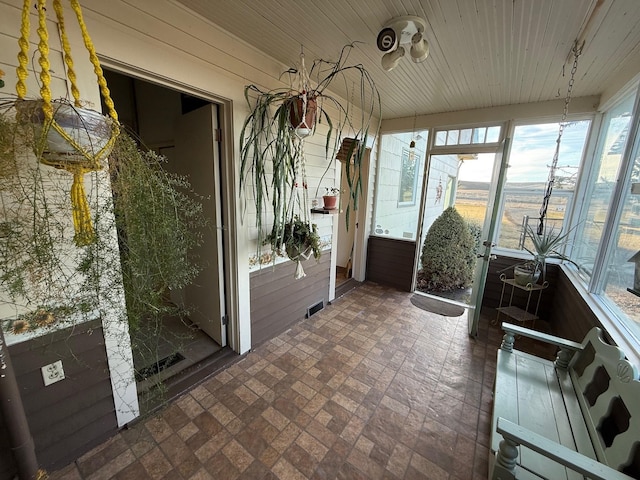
(315,308)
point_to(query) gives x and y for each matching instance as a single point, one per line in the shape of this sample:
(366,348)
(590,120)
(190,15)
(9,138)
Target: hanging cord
(577,51)
(23,55)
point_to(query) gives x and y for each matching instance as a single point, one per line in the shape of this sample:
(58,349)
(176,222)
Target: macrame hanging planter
(67,136)
(576,51)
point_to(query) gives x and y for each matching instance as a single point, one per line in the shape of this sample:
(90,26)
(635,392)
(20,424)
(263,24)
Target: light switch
(52,373)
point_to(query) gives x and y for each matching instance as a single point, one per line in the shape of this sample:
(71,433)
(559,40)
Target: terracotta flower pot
(303,116)
(330,201)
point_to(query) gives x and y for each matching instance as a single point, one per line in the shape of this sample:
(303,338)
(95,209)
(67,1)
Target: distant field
(521,200)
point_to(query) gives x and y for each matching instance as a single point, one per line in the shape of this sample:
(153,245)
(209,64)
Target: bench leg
(563,358)
(505,465)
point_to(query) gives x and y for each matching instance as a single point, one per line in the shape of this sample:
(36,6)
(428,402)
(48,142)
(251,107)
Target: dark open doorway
(175,351)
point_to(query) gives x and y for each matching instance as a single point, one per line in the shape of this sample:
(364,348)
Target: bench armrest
(566,347)
(514,435)
(543,337)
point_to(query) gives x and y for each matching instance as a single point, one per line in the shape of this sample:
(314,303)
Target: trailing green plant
(272,137)
(448,253)
(160,221)
(147,224)
(297,237)
(298,240)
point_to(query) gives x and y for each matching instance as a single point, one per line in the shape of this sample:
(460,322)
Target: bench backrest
(608,390)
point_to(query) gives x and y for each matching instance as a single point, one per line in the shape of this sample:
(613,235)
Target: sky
(532,151)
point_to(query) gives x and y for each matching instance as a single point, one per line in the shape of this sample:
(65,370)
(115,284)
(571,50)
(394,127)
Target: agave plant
(272,137)
(548,245)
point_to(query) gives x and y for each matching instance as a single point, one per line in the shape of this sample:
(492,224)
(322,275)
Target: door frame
(238,341)
(499,171)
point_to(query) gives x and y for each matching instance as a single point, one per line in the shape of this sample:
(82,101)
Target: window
(601,183)
(532,152)
(468,136)
(408,178)
(616,281)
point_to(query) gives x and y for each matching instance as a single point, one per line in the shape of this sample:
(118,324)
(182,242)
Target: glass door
(489,235)
(459,212)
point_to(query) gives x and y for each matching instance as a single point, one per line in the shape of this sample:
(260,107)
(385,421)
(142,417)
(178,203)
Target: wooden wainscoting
(571,316)
(493,288)
(69,417)
(561,305)
(278,300)
(7,465)
(390,262)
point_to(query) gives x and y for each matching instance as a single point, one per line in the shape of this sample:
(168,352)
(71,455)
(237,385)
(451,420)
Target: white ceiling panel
(483,53)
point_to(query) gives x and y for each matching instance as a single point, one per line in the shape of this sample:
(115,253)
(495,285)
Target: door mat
(437,306)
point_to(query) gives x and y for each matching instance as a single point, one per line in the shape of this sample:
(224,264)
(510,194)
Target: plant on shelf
(272,138)
(330,197)
(547,246)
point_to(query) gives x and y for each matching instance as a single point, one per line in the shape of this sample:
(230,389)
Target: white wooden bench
(573,418)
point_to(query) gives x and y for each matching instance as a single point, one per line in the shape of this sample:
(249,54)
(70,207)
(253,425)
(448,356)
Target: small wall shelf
(325,211)
(527,314)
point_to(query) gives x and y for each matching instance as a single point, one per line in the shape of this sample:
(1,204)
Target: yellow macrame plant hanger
(84,159)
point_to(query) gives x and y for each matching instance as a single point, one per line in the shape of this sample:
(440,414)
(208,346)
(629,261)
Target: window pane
(399,185)
(493,134)
(441,138)
(621,275)
(479,134)
(408,178)
(453,137)
(602,183)
(465,136)
(531,155)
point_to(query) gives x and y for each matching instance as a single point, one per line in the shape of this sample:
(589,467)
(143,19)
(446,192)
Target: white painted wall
(442,168)
(392,218)
(164,42)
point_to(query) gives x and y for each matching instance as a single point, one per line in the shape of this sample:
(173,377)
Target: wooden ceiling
(483,53)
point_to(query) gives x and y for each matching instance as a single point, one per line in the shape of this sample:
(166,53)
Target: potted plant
(549,245)
(330,198)
(273,135)
(298,240)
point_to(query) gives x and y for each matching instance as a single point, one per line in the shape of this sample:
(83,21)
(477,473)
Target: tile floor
(371,387)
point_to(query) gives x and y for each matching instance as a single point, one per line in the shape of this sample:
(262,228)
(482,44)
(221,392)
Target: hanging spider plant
(273,135)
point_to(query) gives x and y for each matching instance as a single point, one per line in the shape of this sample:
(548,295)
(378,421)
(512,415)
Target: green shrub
(476,233)
(448,253)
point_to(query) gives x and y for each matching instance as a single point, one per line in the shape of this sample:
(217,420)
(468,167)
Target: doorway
(346,240)
(459,216)
(461,181)
(182,129)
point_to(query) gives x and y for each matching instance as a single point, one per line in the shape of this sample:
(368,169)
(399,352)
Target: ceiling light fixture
(407,30)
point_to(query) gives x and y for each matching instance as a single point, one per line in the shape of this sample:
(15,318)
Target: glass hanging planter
(85,133)
(67,135)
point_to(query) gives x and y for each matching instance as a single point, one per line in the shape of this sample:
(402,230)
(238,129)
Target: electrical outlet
(52,373)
